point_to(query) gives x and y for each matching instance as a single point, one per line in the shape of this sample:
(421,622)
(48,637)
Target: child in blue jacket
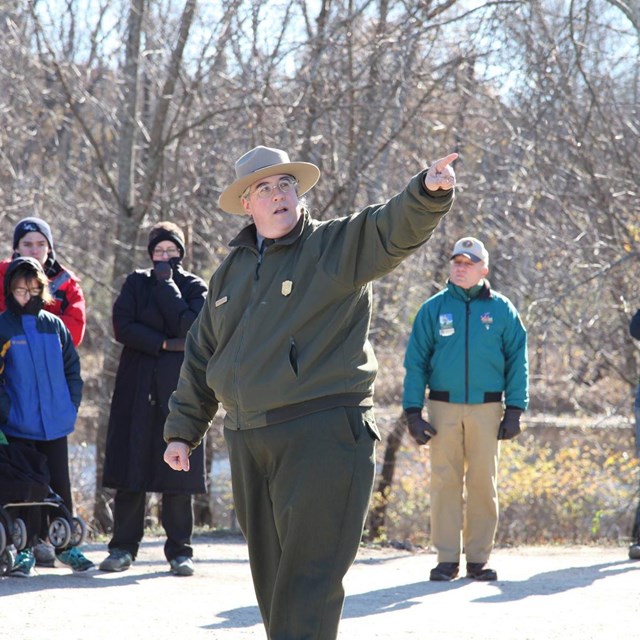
(40,387)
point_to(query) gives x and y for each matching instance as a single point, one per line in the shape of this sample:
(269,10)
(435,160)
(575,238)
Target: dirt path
(544,593)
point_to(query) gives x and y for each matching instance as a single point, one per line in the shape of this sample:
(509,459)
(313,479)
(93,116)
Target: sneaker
(477,571)
(634,551)
(44,554)
(117,560)
(444,571)
(75,559)
(23,565)
(182,566)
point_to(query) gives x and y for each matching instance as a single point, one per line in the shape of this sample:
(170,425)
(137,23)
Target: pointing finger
(440,164)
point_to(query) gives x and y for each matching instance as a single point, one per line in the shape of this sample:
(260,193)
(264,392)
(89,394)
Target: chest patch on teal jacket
(446,324)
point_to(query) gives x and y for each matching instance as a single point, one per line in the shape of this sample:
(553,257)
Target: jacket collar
(483,293)
(248,236)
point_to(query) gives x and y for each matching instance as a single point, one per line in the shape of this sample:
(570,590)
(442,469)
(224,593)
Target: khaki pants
(464,486)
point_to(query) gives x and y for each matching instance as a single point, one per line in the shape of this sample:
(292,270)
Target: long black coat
(145,314)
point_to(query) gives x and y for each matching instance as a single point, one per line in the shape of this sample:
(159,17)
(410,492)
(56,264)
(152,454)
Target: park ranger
(282,344)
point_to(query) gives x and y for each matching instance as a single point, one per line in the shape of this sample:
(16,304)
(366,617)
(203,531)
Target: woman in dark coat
(151,318)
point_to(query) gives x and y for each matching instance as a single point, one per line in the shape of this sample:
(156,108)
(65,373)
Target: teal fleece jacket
(467,350)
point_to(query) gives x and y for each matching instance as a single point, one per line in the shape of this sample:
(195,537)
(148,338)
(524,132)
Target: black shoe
(444,571)
(634,551)
(117,560)
(477,571)
(182,566)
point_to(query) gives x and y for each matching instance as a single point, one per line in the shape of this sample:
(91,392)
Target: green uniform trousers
(464,479)
(301,491)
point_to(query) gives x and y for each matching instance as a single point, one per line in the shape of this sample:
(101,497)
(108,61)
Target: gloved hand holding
(420,430)
(162,271)
(510,425)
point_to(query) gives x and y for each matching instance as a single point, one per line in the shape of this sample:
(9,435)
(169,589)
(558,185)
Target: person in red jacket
(32,239)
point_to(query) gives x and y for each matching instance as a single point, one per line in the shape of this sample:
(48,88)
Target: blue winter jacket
(467,350)
(40,383)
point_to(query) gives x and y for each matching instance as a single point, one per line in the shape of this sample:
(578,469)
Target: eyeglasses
(285,185)
(22,292)
(165,252)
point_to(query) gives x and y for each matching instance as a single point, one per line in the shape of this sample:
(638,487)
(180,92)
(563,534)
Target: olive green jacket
(284,334)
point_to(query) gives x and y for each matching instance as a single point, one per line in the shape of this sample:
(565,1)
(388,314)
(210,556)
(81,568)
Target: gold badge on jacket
(287,287)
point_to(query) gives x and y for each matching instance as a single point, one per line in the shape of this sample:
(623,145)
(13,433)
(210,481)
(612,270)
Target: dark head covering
(166,231)
(27,225)
(31,268)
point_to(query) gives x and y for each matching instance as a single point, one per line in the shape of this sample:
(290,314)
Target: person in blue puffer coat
(469,348)
(40,387)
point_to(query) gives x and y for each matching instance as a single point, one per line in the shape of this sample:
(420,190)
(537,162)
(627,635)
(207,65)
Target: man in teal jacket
(282,344)
(469,347)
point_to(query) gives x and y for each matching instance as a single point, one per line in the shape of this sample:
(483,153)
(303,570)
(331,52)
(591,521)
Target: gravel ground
(544,593)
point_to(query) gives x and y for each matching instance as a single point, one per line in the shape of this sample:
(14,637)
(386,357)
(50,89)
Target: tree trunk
(126,236)
(131,208)
(378,512)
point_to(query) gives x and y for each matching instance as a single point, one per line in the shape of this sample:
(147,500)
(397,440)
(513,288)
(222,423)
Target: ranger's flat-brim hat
(263,162)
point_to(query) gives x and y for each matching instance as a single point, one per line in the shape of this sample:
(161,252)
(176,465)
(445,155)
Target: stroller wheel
(78,531)
(19,534)
(7,558)
(3,538)
(59,533)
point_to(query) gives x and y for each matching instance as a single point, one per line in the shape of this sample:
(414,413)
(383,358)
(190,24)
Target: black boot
(477,571)
(444,571)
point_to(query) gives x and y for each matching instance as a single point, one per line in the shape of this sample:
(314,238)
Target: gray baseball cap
(471,248)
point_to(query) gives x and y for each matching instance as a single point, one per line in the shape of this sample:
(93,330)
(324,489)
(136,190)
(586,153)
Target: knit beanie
(26,225)
(166,231)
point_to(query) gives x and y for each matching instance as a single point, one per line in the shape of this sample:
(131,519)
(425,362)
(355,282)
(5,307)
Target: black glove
(510,425)
(420,430)
(162,271)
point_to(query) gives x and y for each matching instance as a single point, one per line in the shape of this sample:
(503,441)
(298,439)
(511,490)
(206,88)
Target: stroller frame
(24,484)
(64,530)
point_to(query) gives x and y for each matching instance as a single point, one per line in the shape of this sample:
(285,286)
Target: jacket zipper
(466,352)
(260,255)
(243,322)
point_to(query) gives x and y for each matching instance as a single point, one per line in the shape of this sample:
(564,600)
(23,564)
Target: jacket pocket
(293,357)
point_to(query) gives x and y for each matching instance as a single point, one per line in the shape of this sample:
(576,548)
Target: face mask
(34,306)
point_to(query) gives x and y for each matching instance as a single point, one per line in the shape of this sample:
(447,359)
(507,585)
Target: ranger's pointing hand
(441,174)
